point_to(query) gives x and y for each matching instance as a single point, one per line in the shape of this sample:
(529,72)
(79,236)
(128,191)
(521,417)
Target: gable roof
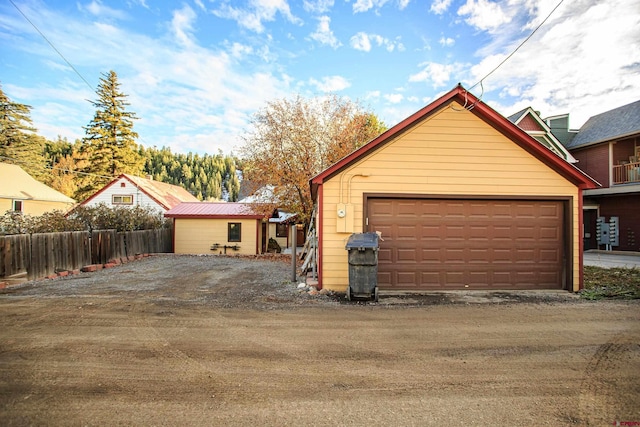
(17,184)
(527,119)
(482,111)
(530,121)
(613,124)
(166,195)
(212,210)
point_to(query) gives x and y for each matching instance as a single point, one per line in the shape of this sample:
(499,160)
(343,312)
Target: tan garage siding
(451,152)
(195,236)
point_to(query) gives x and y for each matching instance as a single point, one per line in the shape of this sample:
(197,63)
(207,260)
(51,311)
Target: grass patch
(611,283)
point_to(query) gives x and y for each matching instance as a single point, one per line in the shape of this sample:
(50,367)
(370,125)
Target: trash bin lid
(363,241)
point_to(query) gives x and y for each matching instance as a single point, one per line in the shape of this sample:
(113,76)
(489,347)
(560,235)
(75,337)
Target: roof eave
(480,109)
(210,216)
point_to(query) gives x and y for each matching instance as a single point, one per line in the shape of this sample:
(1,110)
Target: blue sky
(195,71)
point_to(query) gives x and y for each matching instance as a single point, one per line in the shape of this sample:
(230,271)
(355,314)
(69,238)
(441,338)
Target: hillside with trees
(287,142)
(109,148)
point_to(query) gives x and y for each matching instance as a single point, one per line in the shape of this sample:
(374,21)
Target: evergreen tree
(18,142)
(110,142)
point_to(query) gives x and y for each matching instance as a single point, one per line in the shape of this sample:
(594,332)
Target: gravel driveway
(186,340)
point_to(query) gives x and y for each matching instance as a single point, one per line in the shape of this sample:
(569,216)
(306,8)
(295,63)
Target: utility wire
(52,46)
(519,46)
(53,168)
(59,53)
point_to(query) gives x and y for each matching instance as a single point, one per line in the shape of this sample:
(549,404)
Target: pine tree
(110,142)
(18,142)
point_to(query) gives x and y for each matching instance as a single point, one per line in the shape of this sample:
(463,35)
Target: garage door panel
(407,232)
(455,278)
(407,255)
(407,278)
(468,244)
(384,255)
(549,233)
(384,277)
(548,255)
(479,278)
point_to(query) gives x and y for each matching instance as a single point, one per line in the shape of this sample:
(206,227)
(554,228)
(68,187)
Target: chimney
(150,177)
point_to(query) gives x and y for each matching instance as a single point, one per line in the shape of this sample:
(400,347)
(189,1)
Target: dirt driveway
(172,340)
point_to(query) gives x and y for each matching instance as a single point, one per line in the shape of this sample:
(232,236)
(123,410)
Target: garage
(442,244)
(464,199)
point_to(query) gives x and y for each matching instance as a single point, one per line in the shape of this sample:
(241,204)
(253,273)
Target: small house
(217,228)
(129,191)
(20,192)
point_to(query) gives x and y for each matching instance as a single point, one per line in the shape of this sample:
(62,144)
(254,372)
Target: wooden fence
(33,256)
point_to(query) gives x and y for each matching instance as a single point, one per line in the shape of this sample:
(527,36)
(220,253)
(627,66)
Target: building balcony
(627,173)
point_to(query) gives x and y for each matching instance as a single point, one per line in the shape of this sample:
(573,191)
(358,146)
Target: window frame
(282,226)
(15,203)
(234,235)
(114,202)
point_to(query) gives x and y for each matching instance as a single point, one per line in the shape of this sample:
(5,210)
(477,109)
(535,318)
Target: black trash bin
(363,266)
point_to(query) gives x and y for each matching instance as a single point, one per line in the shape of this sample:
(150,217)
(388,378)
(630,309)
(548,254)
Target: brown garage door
(468,244)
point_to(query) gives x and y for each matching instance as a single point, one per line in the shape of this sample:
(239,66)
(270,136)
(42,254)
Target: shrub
(101,217)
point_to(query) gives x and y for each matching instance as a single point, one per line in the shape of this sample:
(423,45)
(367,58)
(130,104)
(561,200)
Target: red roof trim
(94,195)
(481,110)
(208,216)
(112,182)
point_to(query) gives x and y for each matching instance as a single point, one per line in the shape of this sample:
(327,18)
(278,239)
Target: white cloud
(365,5)
(99,10)
(259,11)
(323,33)
(318,6)
(484,14)
(330,84)
(574,77)
(213,93)
(402,4)
(447,41)
(363,41)
(182,25)
(394,98)
(436,74)
(375,94)
(239,50)
(440,6)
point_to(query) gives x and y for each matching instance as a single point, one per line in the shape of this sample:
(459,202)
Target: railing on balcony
(627,173)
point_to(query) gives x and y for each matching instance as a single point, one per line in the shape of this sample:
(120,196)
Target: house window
(234,232)
(281,230)
(17,205)
(122,199)
(122,185)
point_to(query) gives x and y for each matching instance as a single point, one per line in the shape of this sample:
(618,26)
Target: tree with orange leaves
(291,140)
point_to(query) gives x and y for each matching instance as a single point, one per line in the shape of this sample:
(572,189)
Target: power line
(53,168)
(59,53)
(519,46)
(51,44)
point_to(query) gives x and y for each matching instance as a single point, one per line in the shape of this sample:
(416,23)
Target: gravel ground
(261,283)
(185,340)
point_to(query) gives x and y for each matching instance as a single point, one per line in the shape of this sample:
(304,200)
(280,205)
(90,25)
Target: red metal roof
(213,210)
(484,112)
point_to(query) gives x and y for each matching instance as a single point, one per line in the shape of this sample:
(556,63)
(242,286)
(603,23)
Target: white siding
(139,197)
